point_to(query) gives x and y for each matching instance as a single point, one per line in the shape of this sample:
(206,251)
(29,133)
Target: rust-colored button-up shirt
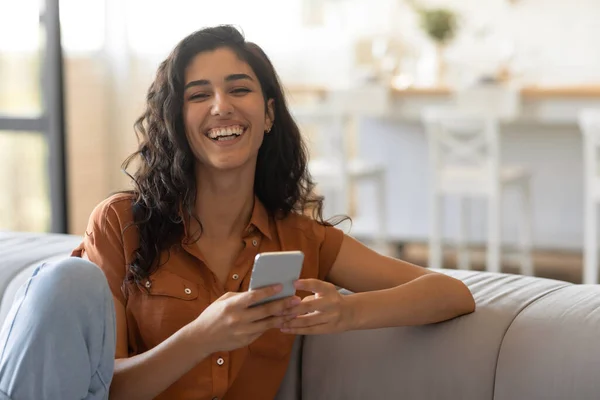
(184,286)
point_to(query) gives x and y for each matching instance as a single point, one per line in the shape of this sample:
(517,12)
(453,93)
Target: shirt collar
(259,220)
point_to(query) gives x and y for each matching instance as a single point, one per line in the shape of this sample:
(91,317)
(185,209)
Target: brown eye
(240,90)
(199,96)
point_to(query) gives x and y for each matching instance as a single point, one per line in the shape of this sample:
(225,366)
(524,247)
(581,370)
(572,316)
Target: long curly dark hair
(164,180)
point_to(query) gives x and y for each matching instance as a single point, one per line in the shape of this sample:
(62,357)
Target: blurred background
(455,133)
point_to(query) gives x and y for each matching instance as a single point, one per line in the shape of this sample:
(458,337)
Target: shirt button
(148,284)
(188,291)
(254,242)
(220,361)
(235,276)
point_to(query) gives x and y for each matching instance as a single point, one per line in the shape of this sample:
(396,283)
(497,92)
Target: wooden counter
(587,91)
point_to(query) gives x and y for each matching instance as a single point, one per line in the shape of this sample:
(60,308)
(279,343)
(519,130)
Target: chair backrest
(499,101)
(464,142)
(362,101)
(325,133)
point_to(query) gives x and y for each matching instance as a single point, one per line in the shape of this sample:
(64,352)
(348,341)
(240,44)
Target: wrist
(351,312)
(195,339)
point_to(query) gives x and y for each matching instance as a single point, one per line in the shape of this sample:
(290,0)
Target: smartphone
(281,267)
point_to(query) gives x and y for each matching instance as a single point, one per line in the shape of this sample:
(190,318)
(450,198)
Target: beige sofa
(530,338)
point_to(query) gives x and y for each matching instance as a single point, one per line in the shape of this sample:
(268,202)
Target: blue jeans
(58,340)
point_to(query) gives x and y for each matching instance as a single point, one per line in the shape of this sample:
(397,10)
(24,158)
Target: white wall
(553,42)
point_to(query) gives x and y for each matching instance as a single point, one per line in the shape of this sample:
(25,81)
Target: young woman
(221,176)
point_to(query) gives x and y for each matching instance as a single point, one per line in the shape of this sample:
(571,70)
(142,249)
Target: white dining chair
(334,170)
(464,161)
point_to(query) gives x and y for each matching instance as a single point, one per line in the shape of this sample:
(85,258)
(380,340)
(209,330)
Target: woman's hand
(230,323)
(326,311)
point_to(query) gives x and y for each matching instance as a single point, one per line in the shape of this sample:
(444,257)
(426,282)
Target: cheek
(259,120)
(190,120)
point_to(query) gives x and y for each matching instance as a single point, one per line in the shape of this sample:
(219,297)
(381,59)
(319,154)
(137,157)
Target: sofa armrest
(455,359)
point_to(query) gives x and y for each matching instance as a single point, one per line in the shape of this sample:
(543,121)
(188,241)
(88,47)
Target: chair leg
(526,229)
(380,239)
(590,263)
(435,234)
(462,249)
(494,230)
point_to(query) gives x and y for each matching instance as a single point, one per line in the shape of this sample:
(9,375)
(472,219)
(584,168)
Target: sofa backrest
(530,338)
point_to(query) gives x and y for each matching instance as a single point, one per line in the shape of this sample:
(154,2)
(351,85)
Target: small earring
(268,131)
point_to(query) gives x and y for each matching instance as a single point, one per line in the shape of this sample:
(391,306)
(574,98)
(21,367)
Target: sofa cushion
(451,360)
(552,349)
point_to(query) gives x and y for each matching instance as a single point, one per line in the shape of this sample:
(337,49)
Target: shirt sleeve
(330,248)
(103,245)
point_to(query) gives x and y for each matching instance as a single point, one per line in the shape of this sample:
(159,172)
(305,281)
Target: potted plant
(440,25)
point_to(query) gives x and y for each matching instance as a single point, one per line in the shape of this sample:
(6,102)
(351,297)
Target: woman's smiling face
(224,110)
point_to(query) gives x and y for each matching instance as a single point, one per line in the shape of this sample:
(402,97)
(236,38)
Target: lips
(224,133)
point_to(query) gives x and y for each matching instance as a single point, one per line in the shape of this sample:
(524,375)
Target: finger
(309,305)
(313,285)
(263,325)
(305,321)
(250,297)
(274,308)
(311,330)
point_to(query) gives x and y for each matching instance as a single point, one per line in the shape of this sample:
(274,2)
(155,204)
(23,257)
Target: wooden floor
(565,266)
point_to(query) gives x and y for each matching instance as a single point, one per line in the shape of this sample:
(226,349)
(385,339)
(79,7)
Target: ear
(270,115)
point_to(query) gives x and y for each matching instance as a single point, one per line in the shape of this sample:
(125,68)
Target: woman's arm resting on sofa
(387,292)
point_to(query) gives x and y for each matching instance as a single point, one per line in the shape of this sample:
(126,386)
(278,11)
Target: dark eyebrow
(201,82)
(236,77)
(229,78)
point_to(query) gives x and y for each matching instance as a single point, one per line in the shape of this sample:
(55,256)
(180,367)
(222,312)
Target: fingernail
(295,301)
(285,330)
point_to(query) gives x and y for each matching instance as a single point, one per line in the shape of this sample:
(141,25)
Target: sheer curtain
(113,48)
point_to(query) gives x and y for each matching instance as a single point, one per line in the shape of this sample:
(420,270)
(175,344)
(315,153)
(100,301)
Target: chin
(232,163)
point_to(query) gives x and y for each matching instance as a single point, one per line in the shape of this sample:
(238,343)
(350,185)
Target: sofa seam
(300,367)
(511,323)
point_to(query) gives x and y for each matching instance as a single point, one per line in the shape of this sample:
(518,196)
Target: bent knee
(72,276)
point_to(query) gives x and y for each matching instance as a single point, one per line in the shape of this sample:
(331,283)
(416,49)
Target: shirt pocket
(272,344)
(168,303)
(170,285)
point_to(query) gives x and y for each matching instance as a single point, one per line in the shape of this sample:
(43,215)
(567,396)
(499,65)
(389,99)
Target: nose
(221,105)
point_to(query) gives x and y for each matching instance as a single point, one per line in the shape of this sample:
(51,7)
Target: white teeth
(225,131)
